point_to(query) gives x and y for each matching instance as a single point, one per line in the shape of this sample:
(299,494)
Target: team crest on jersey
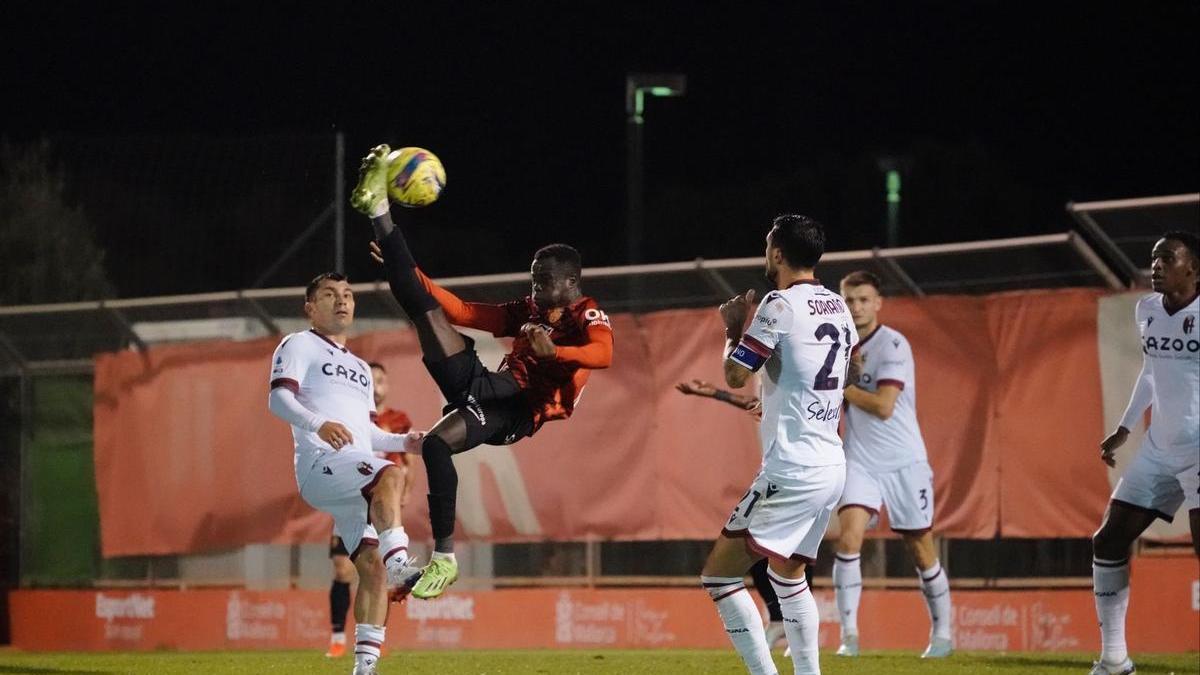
(365,468)
(1189,324)
(1149,320)
(896,344)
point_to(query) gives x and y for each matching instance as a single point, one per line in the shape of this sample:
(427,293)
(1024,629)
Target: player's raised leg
(935,587)
(1122,525)
(438,338)
(723,579)
(384,515)
(439,341)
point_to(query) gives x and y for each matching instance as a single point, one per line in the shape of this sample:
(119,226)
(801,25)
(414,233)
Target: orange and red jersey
(581,333)
(396,422)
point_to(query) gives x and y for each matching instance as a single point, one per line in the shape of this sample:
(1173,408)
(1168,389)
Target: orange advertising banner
(1163,617)
(188,459)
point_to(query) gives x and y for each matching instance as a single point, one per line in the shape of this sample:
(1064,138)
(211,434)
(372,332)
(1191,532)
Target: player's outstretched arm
(705,390)
(478,315)
(386,441)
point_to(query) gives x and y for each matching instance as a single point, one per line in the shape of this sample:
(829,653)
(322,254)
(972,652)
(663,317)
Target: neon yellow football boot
(370,195)
(437,575)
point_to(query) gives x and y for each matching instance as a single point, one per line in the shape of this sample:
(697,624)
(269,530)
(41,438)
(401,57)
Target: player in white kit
(800,337)
(326,394)
(1165,472)
(886,466)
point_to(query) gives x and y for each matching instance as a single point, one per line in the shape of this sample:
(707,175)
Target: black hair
(311,289)
(375,364)
(562,254)
(1189,240)
(800,239)
(862,278)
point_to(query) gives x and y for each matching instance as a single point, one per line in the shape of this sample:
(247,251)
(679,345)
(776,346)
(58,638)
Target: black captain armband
(722,395)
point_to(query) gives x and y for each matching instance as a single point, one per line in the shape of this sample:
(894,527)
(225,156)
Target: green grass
(561,663)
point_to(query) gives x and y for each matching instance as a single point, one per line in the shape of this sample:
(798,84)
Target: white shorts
(1155,486)
(338,485)
(787,519)
(907,494)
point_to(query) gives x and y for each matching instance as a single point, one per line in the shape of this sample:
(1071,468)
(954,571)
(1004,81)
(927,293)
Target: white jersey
(1170,380)
(330,381)
(803,335)
(886,445)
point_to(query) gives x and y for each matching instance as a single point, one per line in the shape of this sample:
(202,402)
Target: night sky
(1001,113)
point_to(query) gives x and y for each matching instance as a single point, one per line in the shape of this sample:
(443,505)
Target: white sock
(801,622)
(935,586)
(742,622)
(393,547)
(847,590)
(338,638)
(449,556)
(368,640)
(1110,579)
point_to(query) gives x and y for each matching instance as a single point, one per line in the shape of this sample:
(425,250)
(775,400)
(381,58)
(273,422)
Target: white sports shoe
(939,648)
(365,668)
(1102,668)
(849,646)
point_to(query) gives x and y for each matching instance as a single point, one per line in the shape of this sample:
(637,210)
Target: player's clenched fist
(735,310)
(336,435)
(539,340)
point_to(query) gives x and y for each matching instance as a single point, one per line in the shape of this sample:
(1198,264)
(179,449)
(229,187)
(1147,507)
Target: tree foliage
(48,248)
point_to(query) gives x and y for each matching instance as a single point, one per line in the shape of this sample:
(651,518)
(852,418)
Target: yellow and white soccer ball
(415,177)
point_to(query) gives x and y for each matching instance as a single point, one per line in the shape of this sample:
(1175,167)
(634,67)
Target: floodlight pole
(890,166)
(637,85)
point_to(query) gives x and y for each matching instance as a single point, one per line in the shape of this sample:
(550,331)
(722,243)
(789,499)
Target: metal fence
(45,370)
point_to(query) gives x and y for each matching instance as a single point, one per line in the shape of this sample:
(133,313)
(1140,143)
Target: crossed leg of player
(783,522)
(450,359)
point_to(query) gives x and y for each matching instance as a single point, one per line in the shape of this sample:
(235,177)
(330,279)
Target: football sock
(339,604)
(847,590)
(935,585)
(762,584)
(393,546)
(406,287)
(801,622)
(742,622)
(368,640)
(1110,579)
(443,491)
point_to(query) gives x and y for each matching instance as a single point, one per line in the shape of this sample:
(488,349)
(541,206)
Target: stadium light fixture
(637,85)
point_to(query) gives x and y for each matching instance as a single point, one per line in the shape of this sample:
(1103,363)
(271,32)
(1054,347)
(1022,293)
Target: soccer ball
(415,177)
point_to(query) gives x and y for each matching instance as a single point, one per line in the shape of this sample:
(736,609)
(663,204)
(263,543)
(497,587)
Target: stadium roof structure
(1124,230)
(64,337)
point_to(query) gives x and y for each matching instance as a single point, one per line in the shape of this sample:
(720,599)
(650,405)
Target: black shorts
(492,404)
(337,546)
